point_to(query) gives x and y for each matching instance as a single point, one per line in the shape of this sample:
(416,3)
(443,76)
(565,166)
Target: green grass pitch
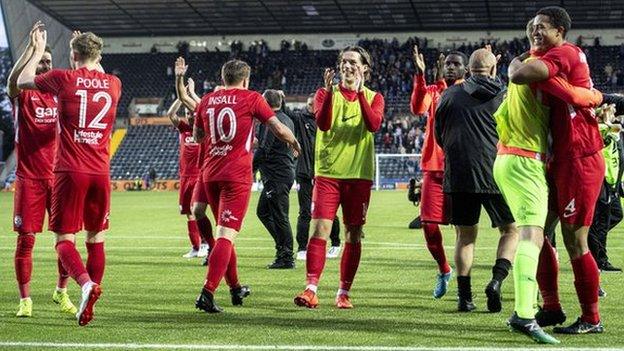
(149,289)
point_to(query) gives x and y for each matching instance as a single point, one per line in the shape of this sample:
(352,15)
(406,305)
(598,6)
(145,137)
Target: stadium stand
(298,71)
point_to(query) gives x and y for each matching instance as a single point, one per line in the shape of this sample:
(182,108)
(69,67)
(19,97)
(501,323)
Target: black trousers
(273,213)
(305,216)
(607,215)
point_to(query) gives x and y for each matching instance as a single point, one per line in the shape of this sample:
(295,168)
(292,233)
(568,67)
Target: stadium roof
(220,17)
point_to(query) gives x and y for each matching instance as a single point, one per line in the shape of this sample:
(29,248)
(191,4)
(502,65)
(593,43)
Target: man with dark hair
(36,118)
(434,204)
(305,131)
(466,130)
(276,163)
(576,170)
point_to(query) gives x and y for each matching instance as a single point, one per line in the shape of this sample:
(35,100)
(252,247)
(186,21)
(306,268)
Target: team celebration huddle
(540,151)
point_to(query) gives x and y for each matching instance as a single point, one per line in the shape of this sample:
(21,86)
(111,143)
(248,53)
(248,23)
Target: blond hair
(87,46)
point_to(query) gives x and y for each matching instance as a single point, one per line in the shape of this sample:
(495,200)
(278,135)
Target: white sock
(61,290)
(312,287)
(342,292)
(25,298)
(87,286)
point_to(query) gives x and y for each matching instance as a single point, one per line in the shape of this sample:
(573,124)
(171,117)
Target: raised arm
(26,78)
(190,87)
(172,113)
(180,71)
(12,89)
(323,102)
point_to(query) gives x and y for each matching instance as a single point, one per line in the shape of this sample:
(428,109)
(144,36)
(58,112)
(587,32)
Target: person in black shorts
(466,130)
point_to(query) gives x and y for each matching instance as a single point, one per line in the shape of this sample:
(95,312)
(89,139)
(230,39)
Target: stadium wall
(338,40)
(21,15)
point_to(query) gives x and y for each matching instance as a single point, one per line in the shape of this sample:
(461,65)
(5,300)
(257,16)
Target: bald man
(466,131)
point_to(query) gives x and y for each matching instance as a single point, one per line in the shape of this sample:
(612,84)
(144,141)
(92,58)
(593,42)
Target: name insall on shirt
(220,100)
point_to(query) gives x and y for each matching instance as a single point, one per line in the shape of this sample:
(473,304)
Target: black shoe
(205,302)
(415,224)
(530,328)
(547,318)
(281,264)
(609,268)
(601,292)
(465,305)
(205,260)
(493,293)
(580,327)
(238,294)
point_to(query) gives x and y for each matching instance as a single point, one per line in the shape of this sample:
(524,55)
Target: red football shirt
(36,120)
(575,131)
(226,116)
(189,151)
(87,109)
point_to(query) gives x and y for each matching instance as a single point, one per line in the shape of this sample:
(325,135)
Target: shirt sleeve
(440,120)
(261,110)
(558,59)
(573,95)
(183,126)
(323,109)
(373,113)
(199,123)
(51,81)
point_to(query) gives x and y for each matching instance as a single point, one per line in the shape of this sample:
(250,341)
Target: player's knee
(198,210)
(95,237)
(353,234)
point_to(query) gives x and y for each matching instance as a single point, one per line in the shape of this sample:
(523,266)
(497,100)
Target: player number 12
(231,116)
(95,123)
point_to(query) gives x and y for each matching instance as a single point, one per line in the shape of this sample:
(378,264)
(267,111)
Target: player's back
(226,116)
(87,110)
(189,150)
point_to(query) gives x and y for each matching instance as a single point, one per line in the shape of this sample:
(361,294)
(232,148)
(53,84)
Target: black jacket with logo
(305,131)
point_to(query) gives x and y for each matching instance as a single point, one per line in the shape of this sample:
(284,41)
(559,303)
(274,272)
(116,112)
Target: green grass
(149,290)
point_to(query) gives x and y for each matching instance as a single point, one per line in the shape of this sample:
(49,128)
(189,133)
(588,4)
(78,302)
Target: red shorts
(574,188)
(32,199)
(80,199)
(228,202)
(434,204)
(352,194)
(187,185)
(199,193)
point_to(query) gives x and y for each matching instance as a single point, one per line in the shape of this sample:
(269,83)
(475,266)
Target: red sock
(315,260)
(63,276)
(23,263)
(433,237)
(218,263)
(586,282)
(548,276)
(96,261)
(193,233)
(231,275)
(349,264)
(72,262)
(205,230)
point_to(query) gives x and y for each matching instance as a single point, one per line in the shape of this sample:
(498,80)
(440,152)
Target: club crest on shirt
(17,221)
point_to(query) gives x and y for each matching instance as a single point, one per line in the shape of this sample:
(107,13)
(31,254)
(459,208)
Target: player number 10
(95,123)
(228,113)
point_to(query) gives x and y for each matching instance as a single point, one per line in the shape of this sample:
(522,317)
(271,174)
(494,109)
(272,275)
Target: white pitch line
(133,346)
